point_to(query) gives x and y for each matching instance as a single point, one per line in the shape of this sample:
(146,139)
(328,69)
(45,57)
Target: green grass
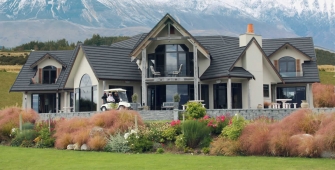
(327,77)
(6,98)
(32,158)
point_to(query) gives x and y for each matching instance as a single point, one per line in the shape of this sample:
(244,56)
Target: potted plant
(176,100)
(266,104)
(134,100)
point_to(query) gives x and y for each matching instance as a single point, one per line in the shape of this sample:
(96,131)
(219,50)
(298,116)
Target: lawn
(32,158)
(327,77)
(6,98)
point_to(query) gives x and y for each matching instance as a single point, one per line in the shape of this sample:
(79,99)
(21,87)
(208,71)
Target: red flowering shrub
(325,136)
(215,124)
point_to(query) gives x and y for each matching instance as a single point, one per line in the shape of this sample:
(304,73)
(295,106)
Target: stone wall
(173,114)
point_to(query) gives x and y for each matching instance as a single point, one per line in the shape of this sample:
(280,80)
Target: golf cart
(122,105)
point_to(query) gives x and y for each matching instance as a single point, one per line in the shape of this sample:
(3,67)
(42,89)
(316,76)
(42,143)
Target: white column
(249,100)
(196,77)
(144,76)
(311,97)
(25,101)
(65,101)
(229,94)
(56,102)
(307,94)
(103,86)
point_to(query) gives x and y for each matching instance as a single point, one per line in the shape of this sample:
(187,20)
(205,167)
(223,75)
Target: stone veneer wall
(173,114)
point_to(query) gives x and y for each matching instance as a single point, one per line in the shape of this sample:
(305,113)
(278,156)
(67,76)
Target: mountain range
(22,21)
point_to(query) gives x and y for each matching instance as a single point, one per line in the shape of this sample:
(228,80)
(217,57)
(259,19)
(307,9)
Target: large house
(226,72)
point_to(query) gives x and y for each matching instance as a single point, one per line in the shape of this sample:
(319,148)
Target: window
(87,95)
(49,75)
(266,90)
(287,67)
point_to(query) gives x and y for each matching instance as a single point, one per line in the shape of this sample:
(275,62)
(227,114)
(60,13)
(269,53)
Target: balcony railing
(169,72)
(291,74)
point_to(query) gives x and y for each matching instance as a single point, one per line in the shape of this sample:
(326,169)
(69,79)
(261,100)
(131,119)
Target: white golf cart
(122,105)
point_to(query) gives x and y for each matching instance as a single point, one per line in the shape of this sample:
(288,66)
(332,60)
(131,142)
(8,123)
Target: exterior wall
(245,94)
(253,63)
(269,77)
(203,63)
(75,67)
(239,63)
(164,33)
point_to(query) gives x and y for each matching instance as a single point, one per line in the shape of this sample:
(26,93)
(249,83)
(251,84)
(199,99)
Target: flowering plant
(216,124)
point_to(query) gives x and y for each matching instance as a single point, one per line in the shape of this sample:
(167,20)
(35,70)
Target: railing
(164,72)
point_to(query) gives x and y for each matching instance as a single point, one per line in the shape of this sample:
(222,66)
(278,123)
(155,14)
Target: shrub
(225,146)
(63,140)
(234,129)
(325,136)
(160,151)
(180,142)
(195,110)
(279,141)
(254,138)
(196,133)
(9,119)
(323,95)
(117,143)
(215,124)
(45,139)
(28,126)
(97,143)
(303,145)
(205,150)
(139,143)
(25,137)
(134,98)
(154,131)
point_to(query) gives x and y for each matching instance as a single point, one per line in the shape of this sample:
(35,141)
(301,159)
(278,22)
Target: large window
(87,94)
(287,67)
(49,75)
(220,96)
(169,58)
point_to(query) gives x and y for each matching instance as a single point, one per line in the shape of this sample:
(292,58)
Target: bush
(139,143)
(323,95)
(45,139)
(196,134)
(154,131)
(117,143)
(25,138)
(325,135)
(215,124)
(234,129)
(180,142)
(225,146)
(160,151)
(254,138)
(28,126)
(194,110)
(97,143)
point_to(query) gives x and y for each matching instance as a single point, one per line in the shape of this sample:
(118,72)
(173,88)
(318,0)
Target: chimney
(245,38)
(250,29)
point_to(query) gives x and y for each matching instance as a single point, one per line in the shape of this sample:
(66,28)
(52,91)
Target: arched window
(87,94)
(287,67)
(49,75)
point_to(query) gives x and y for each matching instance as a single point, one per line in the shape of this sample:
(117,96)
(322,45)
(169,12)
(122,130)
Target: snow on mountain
(272,18)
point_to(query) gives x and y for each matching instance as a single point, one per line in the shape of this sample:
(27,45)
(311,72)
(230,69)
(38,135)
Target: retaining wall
(173,114)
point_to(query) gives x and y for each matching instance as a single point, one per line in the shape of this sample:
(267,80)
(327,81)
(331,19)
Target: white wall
(245,39)
(253,63)
(269,77)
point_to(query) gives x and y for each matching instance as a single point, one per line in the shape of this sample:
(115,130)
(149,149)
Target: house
(226,72)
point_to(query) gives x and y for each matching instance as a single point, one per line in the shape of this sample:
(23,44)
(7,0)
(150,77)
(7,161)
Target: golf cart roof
(115,90)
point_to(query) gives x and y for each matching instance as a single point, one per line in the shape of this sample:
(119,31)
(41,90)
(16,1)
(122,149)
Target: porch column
(56,102)
(308,89)
(196,76)
(25,100)
(144,73)
(65,101)
(229,93)
(103,86)
(249,94)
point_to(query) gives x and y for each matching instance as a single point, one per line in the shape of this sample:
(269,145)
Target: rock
(70,147)
(327,154)
(76,147)
(97,131)
(84,147)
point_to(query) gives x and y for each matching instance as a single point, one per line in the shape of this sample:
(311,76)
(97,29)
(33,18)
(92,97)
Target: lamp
(218,81)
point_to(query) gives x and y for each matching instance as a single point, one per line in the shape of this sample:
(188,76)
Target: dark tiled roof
(240,72)
(224,52)
(45,56)
(130,43)
(23,80)
(112,63)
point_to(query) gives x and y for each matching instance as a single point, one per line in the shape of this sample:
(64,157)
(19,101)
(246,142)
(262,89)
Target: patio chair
(155,73)
(175,73)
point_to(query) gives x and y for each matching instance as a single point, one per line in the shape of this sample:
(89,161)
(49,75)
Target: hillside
(9,99)
(325,57)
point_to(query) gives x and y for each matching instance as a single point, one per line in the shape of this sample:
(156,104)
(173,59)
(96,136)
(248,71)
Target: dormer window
(287,67)
(49,75)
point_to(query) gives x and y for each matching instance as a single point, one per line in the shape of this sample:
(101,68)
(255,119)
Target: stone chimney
(245,38)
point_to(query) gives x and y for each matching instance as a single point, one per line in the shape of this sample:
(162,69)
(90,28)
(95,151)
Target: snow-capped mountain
(79,19)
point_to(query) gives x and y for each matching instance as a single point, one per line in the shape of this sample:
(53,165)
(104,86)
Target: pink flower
(206,117)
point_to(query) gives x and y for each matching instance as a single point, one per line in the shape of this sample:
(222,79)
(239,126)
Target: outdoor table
(283,102)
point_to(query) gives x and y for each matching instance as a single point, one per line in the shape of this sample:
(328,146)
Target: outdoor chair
(155,73)
(175,73)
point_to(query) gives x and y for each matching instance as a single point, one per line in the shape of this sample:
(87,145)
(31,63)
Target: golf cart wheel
(103,109)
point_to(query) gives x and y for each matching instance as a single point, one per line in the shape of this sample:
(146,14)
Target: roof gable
(287,44)
(167,19)
(47,56)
